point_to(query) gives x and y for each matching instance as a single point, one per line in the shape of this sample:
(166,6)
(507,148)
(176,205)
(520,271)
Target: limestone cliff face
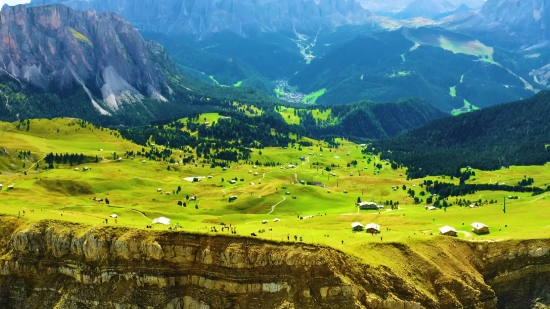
(59,265)
(55,47)
(244,17)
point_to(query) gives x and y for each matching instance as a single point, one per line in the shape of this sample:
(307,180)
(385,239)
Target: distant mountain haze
(394,6)
(510,24)
(244,17)
(13,2)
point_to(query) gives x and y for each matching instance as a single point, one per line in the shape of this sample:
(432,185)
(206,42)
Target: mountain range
(384,6)
(244,17)
(325,52)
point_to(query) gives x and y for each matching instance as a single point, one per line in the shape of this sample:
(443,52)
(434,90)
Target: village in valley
(337,195)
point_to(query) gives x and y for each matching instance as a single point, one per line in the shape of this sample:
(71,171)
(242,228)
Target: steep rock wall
(60,265)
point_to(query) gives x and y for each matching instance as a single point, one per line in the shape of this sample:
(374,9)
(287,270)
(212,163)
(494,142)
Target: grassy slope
(131,186)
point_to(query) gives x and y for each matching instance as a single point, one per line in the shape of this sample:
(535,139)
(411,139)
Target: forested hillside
(241,127)
(516,133)
(20,100)
(219,69)
(272,55)
(369,120)
(448,70)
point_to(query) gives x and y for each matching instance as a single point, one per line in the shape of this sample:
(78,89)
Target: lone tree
(180,203)
(358,200)
(107,201)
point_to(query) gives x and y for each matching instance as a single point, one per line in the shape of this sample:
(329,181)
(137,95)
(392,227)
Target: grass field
(131,188)
(455,42)
(288,115)
(312,97)
(468,107)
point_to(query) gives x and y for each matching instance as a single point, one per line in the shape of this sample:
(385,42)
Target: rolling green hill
(516,133)
(423,62)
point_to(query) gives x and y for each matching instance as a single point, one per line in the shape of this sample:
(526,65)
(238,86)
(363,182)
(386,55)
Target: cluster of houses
(477,227)
(369,206)
(371,228)
(274,220)
(10,187)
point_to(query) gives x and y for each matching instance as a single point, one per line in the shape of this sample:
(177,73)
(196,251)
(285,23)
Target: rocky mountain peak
(244,17)
(57,47)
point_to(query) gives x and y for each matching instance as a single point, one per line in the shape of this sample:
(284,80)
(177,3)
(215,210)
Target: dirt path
(273,207)
(263,176)
(141,213)
(540,197)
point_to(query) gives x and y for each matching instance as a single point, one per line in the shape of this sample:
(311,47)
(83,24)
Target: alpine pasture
(246,196)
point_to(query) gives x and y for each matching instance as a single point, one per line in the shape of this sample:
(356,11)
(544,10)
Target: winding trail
(263,176)
(273,207)
(143,214)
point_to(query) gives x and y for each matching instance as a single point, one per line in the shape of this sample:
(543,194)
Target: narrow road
(273,207)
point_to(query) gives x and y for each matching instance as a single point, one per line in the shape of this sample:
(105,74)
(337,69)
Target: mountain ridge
(55,47)
(211,16)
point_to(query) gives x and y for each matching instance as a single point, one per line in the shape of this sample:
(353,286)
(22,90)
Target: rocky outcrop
(57,48)
(62,265)
(244,17)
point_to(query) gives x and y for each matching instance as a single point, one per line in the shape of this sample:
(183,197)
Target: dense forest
(516,133)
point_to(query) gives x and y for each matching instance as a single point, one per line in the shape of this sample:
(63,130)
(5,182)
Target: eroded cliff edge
(60,265)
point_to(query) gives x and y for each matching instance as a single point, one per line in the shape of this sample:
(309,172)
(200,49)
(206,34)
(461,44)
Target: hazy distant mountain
(244,17)
(426,9)
(394,6)
(512,24)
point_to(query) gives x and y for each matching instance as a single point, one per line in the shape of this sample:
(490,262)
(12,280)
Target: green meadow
(312,97)
(263,193)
